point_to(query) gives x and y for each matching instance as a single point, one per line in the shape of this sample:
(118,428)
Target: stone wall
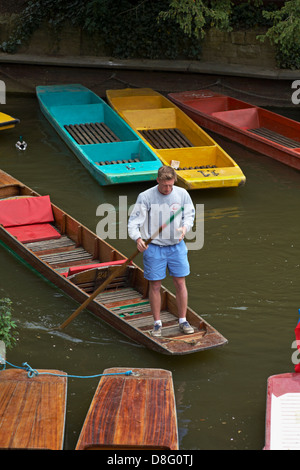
(237,47)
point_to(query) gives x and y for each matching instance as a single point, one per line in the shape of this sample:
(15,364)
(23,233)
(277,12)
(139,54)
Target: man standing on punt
(153,208)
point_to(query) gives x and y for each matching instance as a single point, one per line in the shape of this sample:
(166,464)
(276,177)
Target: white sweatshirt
(152,209)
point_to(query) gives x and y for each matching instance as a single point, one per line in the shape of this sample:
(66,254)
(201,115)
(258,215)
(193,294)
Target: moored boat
(283,407)
(260,130)
(7,122)
(132,409)
(282,412)
(108,148)
(32,409)
(78,261)
(198,160)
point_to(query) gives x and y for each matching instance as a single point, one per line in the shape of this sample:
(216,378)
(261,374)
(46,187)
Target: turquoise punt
(110,150)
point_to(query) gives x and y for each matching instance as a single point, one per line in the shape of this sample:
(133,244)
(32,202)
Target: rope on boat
(33,372)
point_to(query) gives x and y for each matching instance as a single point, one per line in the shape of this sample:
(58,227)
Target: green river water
(244,281)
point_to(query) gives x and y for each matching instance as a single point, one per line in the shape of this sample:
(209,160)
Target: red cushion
(78,269)
(34,232)
(25,211)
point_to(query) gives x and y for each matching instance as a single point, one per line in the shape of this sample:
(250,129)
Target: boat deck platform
(131,412)
(166,138)
(91,133)
(32,409)
(275,137)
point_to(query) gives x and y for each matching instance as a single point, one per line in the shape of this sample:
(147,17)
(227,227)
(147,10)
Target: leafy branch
(168,29)
(194,16)
(285,33)
(7,325)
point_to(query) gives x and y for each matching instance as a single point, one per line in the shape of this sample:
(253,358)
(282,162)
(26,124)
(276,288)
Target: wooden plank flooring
(50,244)
(275,137)
(61,253)
(166,138)
(116,162)
(91,133)
(112,298)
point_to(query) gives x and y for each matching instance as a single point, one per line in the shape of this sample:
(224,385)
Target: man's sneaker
(186,328)
(156,330)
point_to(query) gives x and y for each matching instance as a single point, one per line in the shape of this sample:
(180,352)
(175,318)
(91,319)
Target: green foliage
(7,325)
(36,13)
(130,29)
(169,29)
(285,34)
(127,28)
(249,14)
(194,16)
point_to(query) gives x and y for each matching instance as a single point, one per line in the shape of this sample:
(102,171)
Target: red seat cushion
(34,232)
(25,211)
(78,269)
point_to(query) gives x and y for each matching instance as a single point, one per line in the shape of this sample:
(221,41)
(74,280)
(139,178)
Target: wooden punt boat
(7,122)
(128,412)
(76,260)
(103,142)
(32,409)
(199,161)
(261,130)
(282,413)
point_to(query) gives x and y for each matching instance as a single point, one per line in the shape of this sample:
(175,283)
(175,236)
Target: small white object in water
(21,144)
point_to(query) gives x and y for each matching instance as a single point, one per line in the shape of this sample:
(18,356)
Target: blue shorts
(158,258)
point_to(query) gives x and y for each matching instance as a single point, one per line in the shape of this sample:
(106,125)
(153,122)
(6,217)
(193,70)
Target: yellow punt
(177,140)
(6,121)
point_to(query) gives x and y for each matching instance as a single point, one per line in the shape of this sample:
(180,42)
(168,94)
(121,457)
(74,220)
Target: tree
(285,33)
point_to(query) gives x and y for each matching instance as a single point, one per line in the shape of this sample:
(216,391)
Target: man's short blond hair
(166,173)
